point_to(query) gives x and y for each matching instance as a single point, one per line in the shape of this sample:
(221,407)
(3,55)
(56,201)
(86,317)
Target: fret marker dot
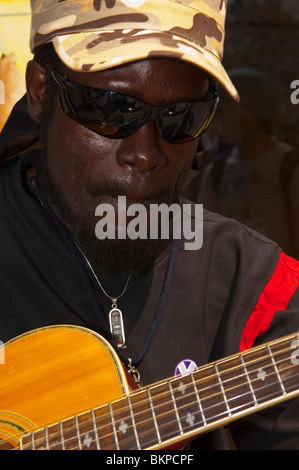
(123,426)
(87,440)
(190,419)
(261,374)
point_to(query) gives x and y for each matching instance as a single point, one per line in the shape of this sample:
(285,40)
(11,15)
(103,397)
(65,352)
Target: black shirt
(214,301)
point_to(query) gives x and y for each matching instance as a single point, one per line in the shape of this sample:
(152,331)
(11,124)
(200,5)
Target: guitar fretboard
(182,407)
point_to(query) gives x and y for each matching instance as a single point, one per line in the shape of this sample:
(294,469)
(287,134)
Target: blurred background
(14,50)
(247,165)
(249,169)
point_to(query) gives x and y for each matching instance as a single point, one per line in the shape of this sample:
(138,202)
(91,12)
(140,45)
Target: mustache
(164,195)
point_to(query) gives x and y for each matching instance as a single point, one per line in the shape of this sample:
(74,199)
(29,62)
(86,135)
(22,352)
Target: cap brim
(90,52)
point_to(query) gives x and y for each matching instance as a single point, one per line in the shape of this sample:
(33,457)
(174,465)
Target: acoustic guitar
(64,387)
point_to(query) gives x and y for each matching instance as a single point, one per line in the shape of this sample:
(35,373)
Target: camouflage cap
(92,35)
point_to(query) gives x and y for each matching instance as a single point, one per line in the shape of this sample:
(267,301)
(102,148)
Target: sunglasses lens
(188,122)
(107,113)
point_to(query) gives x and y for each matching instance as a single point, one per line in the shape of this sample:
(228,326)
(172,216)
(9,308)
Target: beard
(109,257)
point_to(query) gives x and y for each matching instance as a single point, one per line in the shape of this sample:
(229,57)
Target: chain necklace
(116,321)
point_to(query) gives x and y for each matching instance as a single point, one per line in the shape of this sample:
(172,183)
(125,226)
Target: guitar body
(52,373)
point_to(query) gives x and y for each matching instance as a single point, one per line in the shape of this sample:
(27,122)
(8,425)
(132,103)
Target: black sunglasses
(118,116)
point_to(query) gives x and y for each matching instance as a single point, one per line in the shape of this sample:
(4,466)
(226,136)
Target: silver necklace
(116,321)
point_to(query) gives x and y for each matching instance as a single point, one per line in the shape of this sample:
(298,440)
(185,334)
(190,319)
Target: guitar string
(213,385)
(165,393)
(151,442)
(215,417)
(215,375)
(169,423)
(142,435)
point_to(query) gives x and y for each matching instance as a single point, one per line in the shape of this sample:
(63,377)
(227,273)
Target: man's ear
(36,85)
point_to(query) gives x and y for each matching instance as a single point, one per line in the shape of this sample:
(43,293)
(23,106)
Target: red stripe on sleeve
(275,296)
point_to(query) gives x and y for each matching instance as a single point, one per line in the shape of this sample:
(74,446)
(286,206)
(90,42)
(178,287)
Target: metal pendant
(117,327)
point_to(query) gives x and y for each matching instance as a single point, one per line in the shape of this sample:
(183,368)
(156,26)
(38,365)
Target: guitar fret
(46,439)
(187,404)
(262,374)
(164,411)
(198,401)
(209,390)
(113,426)
(175,408)
(124,425)
(248,380)
(237,388)
(39,439)
(222,390)
(154,416)
(26,442)
(95,431)
(133,422)
(103,423)
(69,434)
(86,431)
(32,442)
(144,419)
(77,432)
(54,437)
(61,435)
(276,370)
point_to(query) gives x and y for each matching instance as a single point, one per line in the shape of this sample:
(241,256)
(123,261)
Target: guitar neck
(180,408)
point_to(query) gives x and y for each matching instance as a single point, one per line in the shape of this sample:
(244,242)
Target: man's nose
(143,149)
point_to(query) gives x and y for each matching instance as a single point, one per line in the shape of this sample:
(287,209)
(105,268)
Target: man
(122,91)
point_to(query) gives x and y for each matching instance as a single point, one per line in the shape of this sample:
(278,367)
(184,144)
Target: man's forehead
(153,77)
